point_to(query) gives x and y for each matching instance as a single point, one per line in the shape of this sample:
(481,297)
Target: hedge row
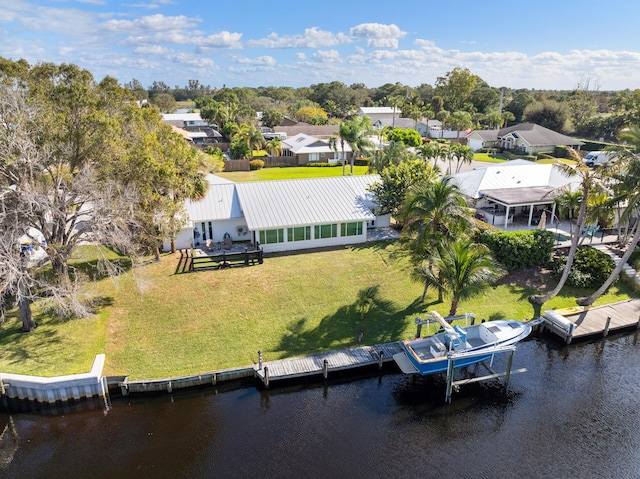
(519,249)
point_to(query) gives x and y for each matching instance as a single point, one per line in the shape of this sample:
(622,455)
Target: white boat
(465,346)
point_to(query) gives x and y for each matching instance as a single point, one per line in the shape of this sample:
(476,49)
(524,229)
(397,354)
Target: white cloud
(378,35)
(265,60)
(327,56)
(311,38)
(149,23)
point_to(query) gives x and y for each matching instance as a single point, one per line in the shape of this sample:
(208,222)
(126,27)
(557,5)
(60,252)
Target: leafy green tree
(239,149)
(393,154)
(406,136)
(272,117)
(568,205)
(456,88)
(519,103)
(548,113)
(359,132)
(395,182)
(459,270)
(366,299)
(165,102)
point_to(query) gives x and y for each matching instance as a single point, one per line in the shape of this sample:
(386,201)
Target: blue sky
(543,44)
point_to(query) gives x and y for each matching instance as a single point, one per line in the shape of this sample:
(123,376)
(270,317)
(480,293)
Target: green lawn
(291,173)
(290,305)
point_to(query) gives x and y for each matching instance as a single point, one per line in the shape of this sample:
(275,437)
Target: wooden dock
(599,320)
(326,362)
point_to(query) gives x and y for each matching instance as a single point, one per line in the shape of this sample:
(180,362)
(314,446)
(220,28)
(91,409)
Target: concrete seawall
(58,388)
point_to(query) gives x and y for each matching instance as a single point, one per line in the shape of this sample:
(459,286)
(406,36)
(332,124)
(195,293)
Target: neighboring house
(479,139)
(529,138)
(198,130)
(309,149)
(284,215)
(319,131)
(501,191)
(380,116)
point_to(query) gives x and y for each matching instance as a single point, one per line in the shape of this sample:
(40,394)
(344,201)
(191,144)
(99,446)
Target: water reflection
(573,414)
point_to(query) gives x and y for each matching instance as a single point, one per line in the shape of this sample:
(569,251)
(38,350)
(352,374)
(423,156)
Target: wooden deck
(594,321)
(315,364)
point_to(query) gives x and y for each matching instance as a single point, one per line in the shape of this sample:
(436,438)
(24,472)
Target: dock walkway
(323,363)
(583,323)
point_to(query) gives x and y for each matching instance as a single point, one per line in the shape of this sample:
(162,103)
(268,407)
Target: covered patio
(525,206)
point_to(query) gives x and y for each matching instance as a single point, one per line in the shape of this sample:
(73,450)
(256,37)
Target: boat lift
(451,367)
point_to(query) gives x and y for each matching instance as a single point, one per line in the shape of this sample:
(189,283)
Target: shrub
(518,249)
(318,164)
(256,164)
(561,151)
(362,161)
(590,268)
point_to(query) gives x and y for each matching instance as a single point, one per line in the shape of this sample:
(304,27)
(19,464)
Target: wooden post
(605,333)
(325,368)
(169,387)
(266,377)
(450,372)
(507,374)
(380,359)
(260,359)
(638,323)
(260,256)
(246,257)
(214,379)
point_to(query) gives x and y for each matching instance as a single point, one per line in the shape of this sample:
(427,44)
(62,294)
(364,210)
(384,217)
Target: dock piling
(325,368)
(380,359)
(266,377)
(260,359)
(605,333)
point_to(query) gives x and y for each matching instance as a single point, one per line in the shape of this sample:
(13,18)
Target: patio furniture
(210,245)
(227,241)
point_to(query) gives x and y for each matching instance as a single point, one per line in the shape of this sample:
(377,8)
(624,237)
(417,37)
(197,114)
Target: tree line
(460,99)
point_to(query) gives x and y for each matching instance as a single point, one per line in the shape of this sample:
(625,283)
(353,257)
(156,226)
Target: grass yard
(291,173)
(291,305)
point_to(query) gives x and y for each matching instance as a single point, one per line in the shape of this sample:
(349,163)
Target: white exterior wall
(475,144)
(313,243)
(185,240)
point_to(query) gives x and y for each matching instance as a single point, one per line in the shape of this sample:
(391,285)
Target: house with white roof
(284,215)
(381,116)
(517,190)
(307,149)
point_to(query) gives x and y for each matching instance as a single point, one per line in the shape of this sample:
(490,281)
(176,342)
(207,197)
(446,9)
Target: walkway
(613,254)
(323,363)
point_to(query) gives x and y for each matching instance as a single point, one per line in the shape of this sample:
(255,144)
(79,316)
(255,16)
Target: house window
(301,233)
(326,231)
(272,236)
(351,229)
(314,156)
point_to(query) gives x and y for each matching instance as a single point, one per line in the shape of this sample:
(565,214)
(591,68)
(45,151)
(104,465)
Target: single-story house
(479,139)
(514,190)
(380,116)
(319,131)
(529,138)
(284,215)
(309,149)
(197,130)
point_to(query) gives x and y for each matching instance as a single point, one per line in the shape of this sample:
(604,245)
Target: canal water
(574,414)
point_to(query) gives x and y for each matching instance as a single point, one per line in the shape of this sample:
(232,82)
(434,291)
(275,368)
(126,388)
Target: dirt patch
(538,278)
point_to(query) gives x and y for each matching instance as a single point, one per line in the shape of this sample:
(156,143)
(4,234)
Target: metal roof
(523,196)
(512,174)
(287,203)
(220,203)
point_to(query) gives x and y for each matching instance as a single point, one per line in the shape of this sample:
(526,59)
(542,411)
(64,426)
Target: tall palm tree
(359,131)
(626,191)
(568,203)
(274,146)
(341,137)
(433,151)
(462,154)
(590,180)
(460,270)
(433,213)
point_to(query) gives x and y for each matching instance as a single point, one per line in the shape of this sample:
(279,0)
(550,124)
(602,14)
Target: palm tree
(590,179)
(274,146)
(359,131)
(462,153)
(341,137)
(626,191)
(433,213)
(461,120)
(394,101)
(460,270)
(568,203)
(434,151)
(366,299)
